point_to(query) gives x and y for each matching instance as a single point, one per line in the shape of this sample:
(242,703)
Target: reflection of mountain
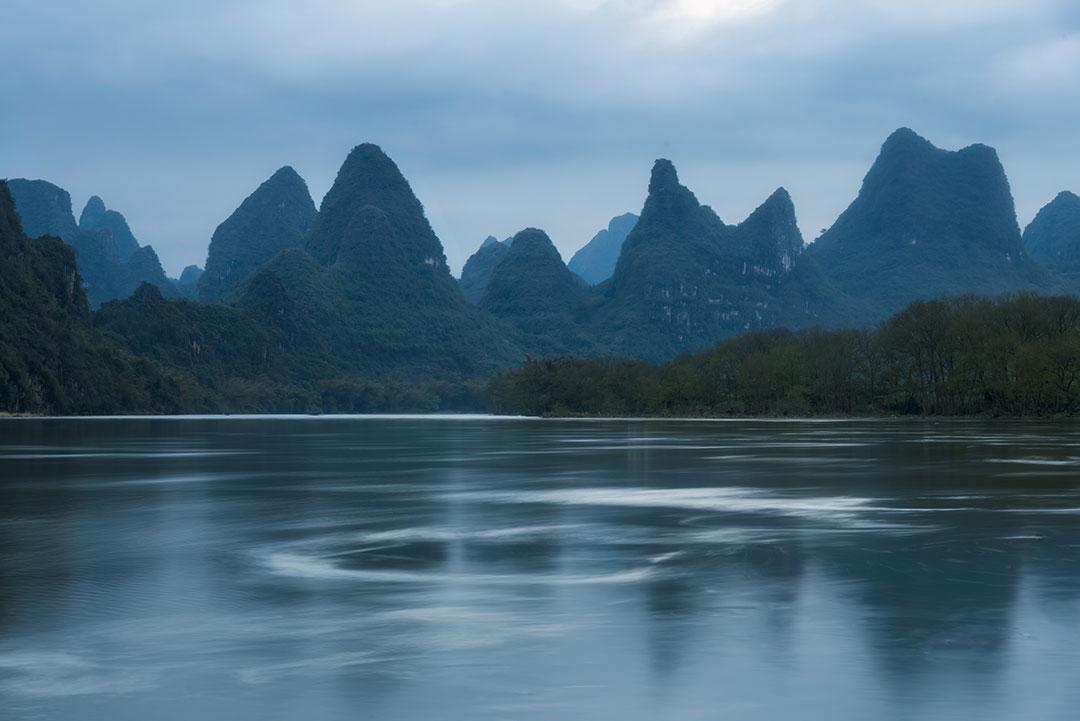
(630,570)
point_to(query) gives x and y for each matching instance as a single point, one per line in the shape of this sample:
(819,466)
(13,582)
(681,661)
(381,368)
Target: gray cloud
(509,114)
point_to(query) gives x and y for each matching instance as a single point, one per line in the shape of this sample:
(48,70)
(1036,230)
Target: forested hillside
(960,356)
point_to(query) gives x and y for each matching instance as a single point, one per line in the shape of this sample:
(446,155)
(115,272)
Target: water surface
(470,569)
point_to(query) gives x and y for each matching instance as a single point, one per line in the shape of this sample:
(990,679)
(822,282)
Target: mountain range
(352,305)
(110,260)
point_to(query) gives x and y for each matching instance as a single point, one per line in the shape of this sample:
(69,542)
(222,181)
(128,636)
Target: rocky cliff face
(685,279)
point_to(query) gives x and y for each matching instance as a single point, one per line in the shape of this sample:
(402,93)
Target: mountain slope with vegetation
(928,222)
(372,289)
(476,274)
(276,216)
(1053,237)
(532,289)
(958,356)
(685,279)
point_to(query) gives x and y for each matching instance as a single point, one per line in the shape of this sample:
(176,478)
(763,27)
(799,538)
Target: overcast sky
(508,114)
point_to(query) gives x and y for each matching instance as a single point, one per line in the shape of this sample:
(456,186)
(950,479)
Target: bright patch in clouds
(710,11)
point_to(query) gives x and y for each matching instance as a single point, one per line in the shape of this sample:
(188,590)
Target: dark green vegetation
(278,215)
(961,356)
(371,292)
(52,360)
(110,260)
(928,222)
(532,289)
(595,261)
(352,308)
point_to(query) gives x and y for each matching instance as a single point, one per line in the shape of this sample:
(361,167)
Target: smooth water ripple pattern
(467,568)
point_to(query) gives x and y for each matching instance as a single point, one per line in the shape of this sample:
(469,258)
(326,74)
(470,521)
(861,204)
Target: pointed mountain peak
(625,221)
(369,178)
(906,139)
(286,173)
(1067,198)
(476,274)
(93,212)
(97,217)
(1053,237)
(771,235)
(778,207)
(531,240)
(190,275)
(531,286)
(780,198)
(595,261)
(667,197)
(277,215)
(664,176)
(368,163)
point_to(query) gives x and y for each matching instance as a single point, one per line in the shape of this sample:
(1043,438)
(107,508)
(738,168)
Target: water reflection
(490,569)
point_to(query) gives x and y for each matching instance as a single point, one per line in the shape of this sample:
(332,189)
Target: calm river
(474,569)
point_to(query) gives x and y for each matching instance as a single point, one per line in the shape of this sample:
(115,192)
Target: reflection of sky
(513,114)
(331,569)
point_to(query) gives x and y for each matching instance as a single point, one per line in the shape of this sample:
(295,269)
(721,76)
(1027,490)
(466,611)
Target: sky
(543,113)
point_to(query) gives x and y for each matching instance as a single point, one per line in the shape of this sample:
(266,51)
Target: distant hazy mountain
(595,262)
(96,217)
(1053,237)
(51,358)
(188,281)
(531,288)
(478,268)
(110,261)
(928,222)
(45,209)
(372,289)
(276,216)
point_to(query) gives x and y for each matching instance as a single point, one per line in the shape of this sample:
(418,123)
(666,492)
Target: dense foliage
(928,222)
(51,358)
(532,289)
(1018,356)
